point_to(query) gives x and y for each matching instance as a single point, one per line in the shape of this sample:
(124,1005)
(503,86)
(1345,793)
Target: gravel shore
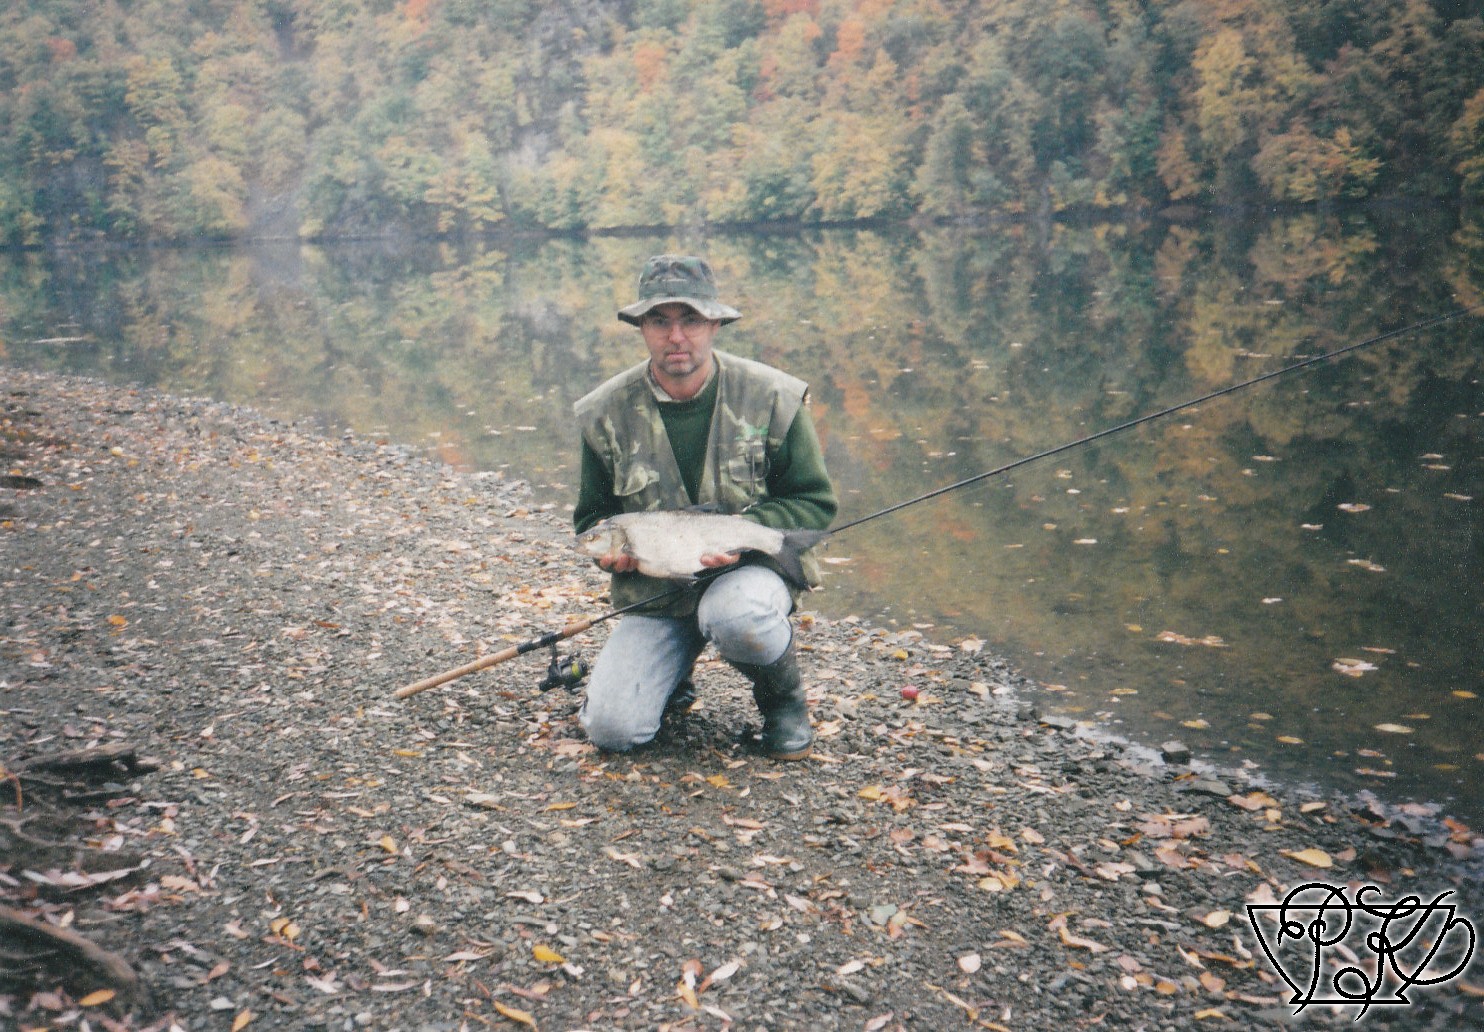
(214,610)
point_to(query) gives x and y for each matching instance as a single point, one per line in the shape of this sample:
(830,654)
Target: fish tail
(790,554)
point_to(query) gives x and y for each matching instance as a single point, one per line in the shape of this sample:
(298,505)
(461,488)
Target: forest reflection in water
(1290,576)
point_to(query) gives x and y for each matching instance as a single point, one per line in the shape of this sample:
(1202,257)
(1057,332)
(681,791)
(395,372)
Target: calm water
(1292,576)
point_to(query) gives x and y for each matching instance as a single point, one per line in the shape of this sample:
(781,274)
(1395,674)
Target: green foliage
(162,120)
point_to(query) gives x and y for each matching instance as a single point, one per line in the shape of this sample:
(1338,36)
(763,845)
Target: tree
(944,182)
(1466,142)
(1300,166)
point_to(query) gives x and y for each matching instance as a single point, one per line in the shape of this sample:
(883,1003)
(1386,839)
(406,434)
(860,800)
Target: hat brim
(631,314)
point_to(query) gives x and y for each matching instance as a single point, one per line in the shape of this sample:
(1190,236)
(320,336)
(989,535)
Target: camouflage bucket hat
(671,279)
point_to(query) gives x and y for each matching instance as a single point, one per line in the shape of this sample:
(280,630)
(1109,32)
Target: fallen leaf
(388,843)
(1068,939)
(1113,870)
(547,955)
(1252,801)
(721,974)
(1216,918)
(998,840)
(1394,729)
(515,1014)
(242,1021)
(1175,825)
(1211,641)
(632,859)
(97,997)
(1311,856)
(1000,881)
(1172,857)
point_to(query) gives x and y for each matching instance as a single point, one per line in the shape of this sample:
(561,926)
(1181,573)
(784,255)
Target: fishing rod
(568,673)
(560,673)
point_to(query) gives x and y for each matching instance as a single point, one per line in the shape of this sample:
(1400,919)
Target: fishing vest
(620,421)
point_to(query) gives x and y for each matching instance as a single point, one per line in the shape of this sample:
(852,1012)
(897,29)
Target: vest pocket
(636,487)
(747,467)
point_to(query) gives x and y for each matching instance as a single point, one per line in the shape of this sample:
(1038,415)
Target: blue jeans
(744,613)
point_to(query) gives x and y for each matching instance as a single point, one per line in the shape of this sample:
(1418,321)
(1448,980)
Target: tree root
(99,761)
(79,963)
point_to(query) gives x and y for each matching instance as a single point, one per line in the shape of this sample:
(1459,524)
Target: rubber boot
(779,693)
(682,697)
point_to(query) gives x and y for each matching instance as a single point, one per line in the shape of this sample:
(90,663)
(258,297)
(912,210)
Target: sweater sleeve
(800,495)
(595,498)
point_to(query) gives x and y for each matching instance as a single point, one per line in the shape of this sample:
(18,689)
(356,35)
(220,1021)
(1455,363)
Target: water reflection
(1271,577)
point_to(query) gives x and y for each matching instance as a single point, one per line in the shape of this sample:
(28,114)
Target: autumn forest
(169,120)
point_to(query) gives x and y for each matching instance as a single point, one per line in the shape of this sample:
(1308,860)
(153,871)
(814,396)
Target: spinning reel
(564,671)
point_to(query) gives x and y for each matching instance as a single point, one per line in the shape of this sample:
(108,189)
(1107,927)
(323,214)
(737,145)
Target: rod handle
(493,659)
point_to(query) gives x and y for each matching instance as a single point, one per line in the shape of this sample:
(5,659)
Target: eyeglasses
(690,323)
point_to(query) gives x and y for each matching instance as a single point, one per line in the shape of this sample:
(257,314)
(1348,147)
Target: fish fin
(790,555)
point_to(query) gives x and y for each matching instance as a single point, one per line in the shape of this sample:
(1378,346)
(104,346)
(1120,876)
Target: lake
(1291,576)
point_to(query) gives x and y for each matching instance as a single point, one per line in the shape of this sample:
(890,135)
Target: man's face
(679,341)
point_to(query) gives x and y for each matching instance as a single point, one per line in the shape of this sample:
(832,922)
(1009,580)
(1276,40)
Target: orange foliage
(850,40)
(856,401)
(649,63)
(779,10)
(956,528)
(62,49)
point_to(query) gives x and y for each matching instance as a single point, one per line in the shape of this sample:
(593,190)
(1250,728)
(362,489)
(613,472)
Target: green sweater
(800,495)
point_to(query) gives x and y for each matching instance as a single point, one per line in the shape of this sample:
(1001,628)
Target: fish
(669,545)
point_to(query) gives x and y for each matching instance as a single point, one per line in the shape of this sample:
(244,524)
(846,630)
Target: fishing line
(1152,416)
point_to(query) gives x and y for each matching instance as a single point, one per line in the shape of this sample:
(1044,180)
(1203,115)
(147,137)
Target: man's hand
(622,562)
(618,562)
